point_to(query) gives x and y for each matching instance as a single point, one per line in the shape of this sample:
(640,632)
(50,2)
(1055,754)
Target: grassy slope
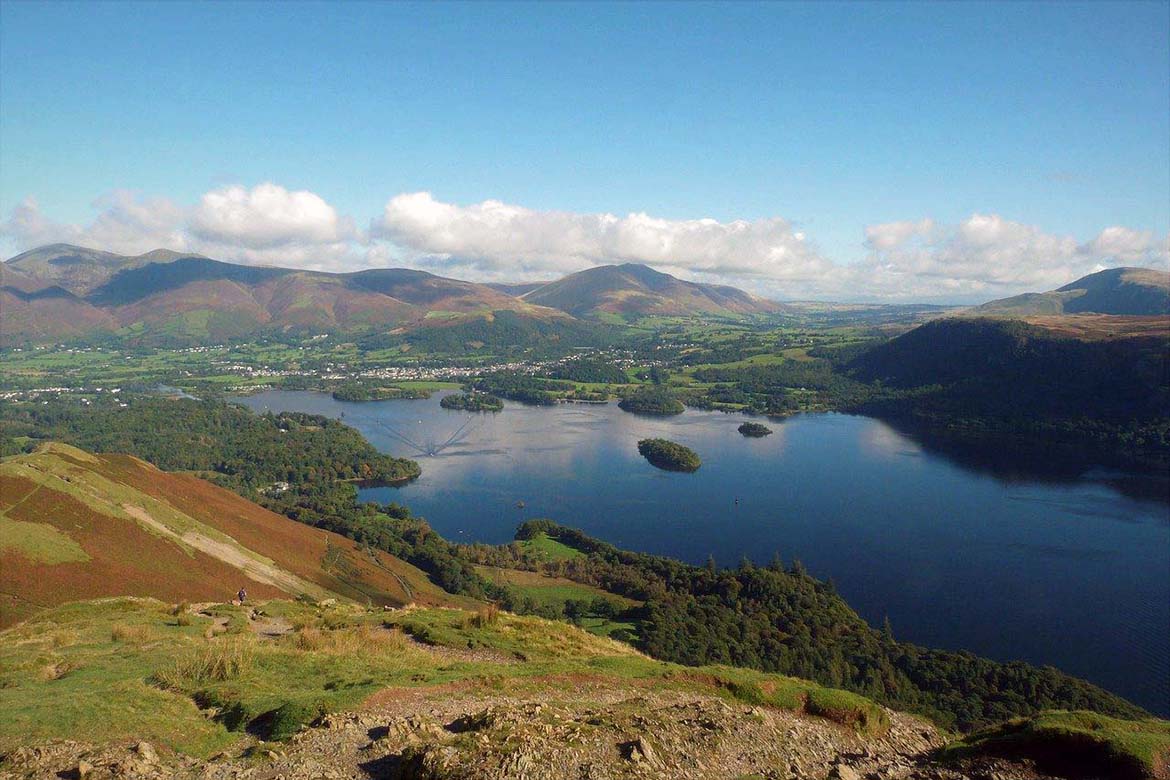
(1065,740)
(543,547)
(555,591)
(72,525)
(547,590)
(126,669)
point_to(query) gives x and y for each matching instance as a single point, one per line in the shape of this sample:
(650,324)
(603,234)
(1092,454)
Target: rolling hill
(633,289)
(66,292)
(1093,384)
(1120,291)
(75,525)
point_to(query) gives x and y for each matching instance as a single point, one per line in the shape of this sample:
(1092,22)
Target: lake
(1007,553)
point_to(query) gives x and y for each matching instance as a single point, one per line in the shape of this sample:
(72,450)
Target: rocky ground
(579,731)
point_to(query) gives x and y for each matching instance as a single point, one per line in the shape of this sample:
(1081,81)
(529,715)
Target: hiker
(242,595)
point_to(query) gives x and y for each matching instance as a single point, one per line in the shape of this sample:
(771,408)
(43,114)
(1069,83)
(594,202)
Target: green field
(543,547)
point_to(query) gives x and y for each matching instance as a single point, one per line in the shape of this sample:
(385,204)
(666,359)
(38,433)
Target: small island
(668,455)
(754,430)
(652,400)
(359,392)
(472,402)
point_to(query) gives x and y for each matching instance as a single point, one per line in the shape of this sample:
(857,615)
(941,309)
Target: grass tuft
(218,661)
(486,616)
(127,634)
(55,671)
(182,614)
(347,641)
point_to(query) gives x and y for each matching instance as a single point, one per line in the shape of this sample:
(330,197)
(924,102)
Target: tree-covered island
(668,455)
(754,430)
(356,391)
(472,402)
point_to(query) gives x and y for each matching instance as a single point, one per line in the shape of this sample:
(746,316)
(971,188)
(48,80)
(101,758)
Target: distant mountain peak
(1119,291)
(638,289)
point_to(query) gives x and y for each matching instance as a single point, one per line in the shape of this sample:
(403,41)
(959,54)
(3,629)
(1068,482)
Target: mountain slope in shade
(78,269)
(999,368)
(516,289)
(633,289)
(1122,291)
(61,292)
(75,525)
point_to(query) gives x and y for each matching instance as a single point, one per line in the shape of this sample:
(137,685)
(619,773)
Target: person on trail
(242,595)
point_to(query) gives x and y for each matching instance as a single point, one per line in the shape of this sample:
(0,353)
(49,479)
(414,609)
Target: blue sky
(807,123)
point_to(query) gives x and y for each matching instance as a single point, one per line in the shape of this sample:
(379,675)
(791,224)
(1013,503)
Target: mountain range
(64,292)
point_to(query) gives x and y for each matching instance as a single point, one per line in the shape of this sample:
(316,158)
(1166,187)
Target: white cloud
(892,234)
(126,225)
(493,236)
(986,255)
(266,224)
(267,217)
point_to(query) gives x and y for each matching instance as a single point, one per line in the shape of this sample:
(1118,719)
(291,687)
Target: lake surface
(1005,553)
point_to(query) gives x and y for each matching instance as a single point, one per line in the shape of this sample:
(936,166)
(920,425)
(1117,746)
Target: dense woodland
(669,455)
(754,430)
(589,370)
(358,391)
(472,402)
(521,387)
(654,399)
(1004,376)
(780,619)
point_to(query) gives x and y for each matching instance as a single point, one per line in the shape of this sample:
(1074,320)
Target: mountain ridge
(635,289)
(1117,291)
(80,525)
(64,291)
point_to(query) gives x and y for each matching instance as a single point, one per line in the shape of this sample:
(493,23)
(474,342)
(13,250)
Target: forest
(521,387)
(989,376)
(472,402)
(654,400)
(778,618)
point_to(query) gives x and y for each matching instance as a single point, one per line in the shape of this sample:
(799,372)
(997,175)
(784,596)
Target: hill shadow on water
(1018,460)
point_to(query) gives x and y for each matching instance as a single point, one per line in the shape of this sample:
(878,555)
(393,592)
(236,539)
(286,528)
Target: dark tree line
(780,619)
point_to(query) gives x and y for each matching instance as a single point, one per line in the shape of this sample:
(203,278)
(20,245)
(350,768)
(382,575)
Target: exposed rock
(844,772)
(582,732)
(639,751)
(146,752)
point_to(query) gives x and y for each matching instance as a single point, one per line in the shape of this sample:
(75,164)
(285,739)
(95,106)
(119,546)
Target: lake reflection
(1054,562)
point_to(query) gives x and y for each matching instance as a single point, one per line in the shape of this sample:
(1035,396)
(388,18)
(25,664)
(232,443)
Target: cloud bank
(982,257)
(264,225)
(987,254)
(492,236)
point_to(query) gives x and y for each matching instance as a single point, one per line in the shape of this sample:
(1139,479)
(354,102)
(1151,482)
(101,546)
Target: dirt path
(257,570)
(267,627)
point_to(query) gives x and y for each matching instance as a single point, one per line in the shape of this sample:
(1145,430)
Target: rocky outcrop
(596,734)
